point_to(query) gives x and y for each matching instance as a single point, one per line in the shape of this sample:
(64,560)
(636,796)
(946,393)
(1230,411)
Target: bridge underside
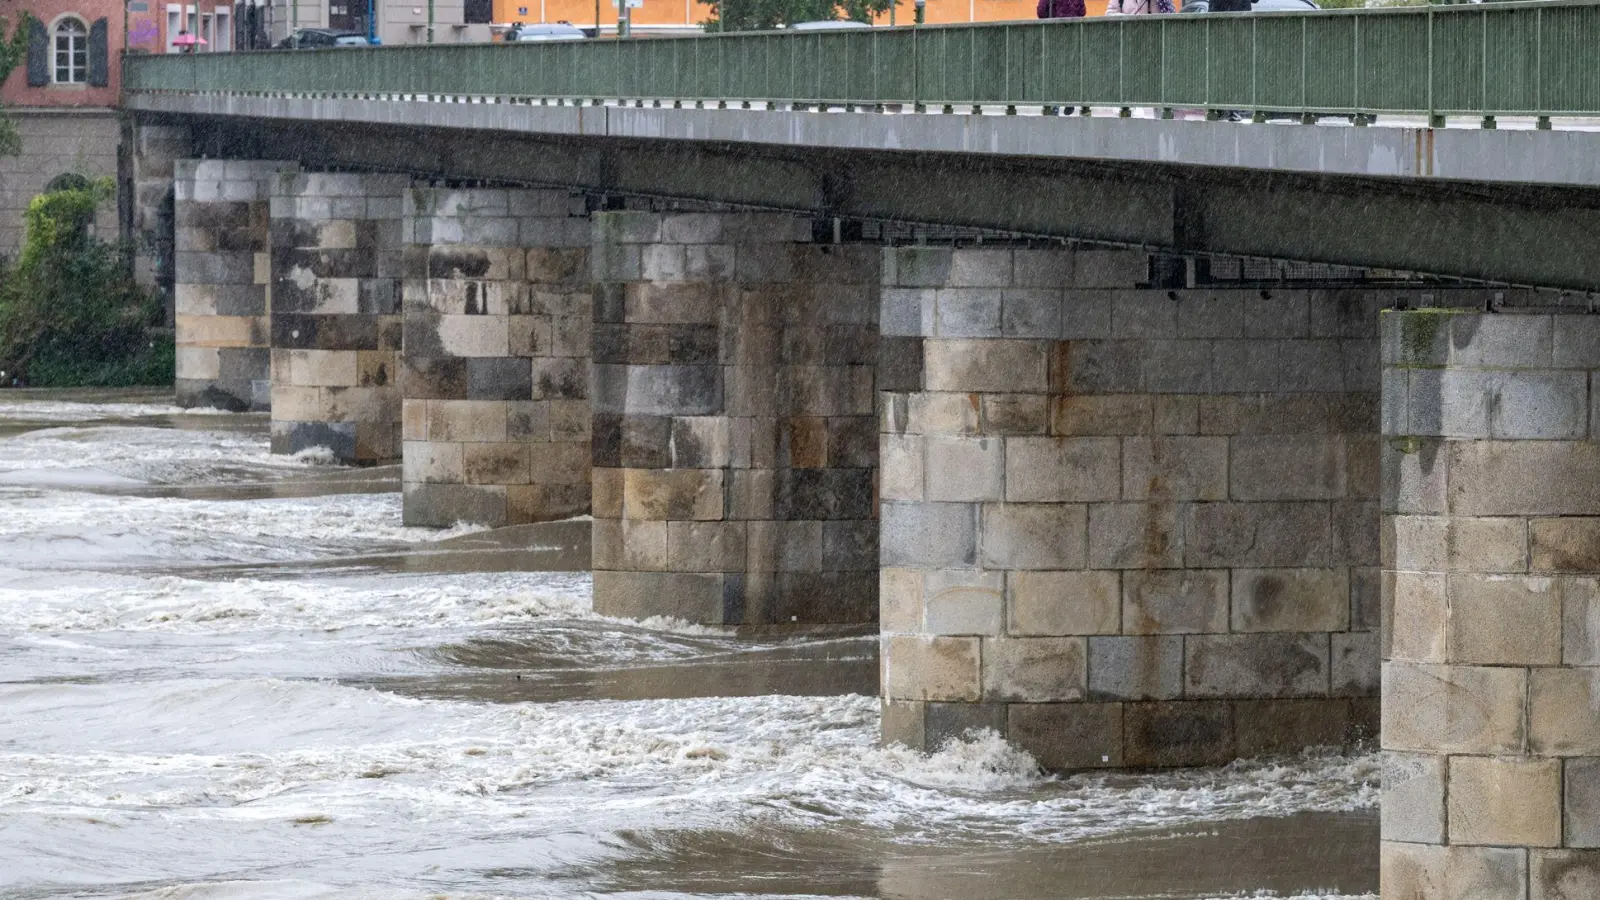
(1497,233)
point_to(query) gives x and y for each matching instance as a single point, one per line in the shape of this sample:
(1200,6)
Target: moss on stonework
(1419,334)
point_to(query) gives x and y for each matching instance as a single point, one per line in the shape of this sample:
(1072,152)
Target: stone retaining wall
(1126,526)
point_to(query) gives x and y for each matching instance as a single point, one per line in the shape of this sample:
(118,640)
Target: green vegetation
(70,314)
(753,15)
(13,50)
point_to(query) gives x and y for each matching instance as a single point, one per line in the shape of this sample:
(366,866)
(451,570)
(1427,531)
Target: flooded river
(225,674)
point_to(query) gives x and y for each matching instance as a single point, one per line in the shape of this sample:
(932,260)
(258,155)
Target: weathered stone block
(1136,668)
(1109,414)
(1564,545)
(1178,733)
(1429,872)
(1048,469)
(444,505)
(1581,621)
(1288,726)
(706,546)
(1179,601)
(1564,711)
(1504,620)
(1504,800)
(694,597)
(1418,613)
(1175,468)
(1257,534)
(1355,663)
(1534,478)
(963,601)
(1581,802)
(1135,536)
(985,365)
(931,668)
(1563,874)
(1412,807)
(1034,536)
(964,469)
(682,494)
(1068,735)
(1291,600)
(1256,665)
(1288,467)
(1452,709)
(1035,669)
(1063,603)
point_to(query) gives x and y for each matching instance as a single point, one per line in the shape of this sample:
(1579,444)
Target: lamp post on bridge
(921,12)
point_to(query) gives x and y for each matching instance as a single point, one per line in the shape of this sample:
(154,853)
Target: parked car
(555,31)
(312,38)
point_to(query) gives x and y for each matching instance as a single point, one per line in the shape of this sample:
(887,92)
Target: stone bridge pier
(1491,542)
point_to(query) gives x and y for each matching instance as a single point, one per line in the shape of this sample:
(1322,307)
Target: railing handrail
(1535,58)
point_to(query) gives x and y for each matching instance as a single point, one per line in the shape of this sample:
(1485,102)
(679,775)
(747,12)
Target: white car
(552,32)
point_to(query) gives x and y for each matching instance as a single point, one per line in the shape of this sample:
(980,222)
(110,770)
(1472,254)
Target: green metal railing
(1504,59)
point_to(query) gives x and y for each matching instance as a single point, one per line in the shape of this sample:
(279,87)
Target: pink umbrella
(185,39)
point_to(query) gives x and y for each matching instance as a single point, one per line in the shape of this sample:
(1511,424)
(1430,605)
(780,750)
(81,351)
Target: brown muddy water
(225,674)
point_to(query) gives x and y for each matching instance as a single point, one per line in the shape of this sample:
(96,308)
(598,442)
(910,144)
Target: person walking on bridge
(1060,9)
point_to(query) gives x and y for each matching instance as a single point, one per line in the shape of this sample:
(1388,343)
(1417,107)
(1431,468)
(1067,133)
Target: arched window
(71,51)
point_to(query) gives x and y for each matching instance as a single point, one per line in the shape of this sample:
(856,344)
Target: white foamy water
(188,710)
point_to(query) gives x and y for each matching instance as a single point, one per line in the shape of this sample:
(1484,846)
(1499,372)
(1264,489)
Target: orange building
(677,15)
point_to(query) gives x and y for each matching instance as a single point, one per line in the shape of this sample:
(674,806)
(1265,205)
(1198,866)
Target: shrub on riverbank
(70,313)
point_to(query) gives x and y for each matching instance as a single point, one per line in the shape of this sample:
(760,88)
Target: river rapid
(225,674)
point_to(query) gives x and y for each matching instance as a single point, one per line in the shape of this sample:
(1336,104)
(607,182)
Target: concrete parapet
(734,442)
(495,373)
(1125,526)
(335,268)
(221,271)
(1491,677)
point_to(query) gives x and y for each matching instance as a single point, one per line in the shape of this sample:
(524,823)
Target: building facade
(63,99)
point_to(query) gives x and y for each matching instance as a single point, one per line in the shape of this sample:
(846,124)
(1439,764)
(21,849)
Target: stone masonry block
(900,467)
(694,597)
(899,600)
(706,546)
(1176,601)
(1063,603)
(967,313)
(1580,599)
(1181,733)
(1504,800)
(1566,545)
(1504,620)
(931,668)
(1110,414)
(1257,534)
(1549,405)
(1047,469)
(1256,665)
(985,365)
(964,469)
(1288,467)
(1563,874)
(1034,536)
(928,534)
(1429,872)
(1136,668)
(1291,600)
(1175,468)
(963,601)
(1418,616)
(1035,669)
(1581,802)
(1143,315)
(1412,808)
(1452,709)
(1530,478)
(1354,660)
(680,494)
(1068,735)
(1564,711)
(1134,536)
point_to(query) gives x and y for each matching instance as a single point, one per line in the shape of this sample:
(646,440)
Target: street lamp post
(921,11)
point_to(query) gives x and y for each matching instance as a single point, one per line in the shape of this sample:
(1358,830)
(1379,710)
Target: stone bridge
(1132,498)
